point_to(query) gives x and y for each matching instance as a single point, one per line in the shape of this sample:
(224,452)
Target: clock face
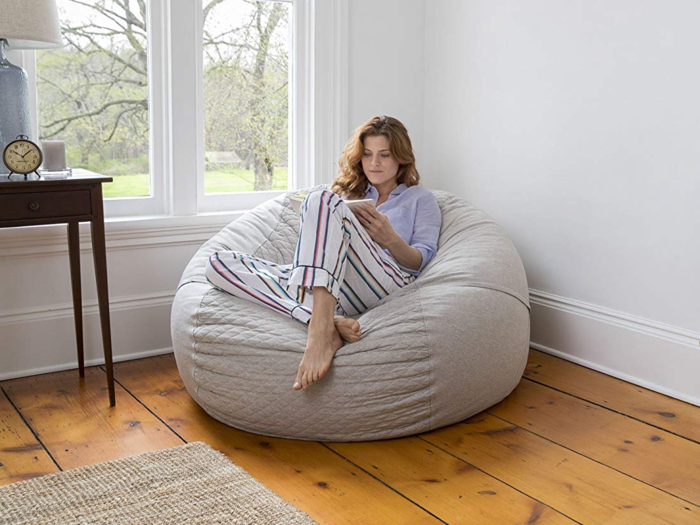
(22,156)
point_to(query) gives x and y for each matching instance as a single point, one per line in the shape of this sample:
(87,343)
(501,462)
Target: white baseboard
(620,375)
(621,319)
(653,355)
(42,340)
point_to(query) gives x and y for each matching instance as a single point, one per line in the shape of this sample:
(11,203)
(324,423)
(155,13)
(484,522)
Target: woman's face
(378,163)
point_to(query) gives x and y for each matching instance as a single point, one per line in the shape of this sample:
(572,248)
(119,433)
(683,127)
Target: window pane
(246,95)
(93,93)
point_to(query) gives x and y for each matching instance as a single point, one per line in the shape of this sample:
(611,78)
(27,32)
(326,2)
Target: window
(246,96)
(93,93)
(201,106)
(246,77)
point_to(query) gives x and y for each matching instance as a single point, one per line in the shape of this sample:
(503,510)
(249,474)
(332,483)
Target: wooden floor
(569,445)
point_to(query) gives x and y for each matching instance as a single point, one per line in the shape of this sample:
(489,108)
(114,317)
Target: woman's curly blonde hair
(351,180)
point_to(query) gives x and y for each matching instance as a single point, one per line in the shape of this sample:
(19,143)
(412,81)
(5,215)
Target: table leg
(99,252)
(74,257)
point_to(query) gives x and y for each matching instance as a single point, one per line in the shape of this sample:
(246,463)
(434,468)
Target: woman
(345,262)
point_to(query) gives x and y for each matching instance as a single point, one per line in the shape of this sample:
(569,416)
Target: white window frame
(319,115)
(155,203)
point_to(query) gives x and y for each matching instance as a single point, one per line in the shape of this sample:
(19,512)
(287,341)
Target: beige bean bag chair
(445,347)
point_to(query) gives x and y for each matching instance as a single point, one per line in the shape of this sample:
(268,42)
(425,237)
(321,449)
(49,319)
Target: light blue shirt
(415,215)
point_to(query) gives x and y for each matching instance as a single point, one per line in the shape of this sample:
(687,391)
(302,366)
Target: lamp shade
(30,24)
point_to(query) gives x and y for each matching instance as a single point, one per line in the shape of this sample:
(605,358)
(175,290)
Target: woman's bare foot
(349,329)
(320,349)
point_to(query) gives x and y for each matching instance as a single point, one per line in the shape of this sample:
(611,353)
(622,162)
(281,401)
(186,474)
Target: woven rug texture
(191,484)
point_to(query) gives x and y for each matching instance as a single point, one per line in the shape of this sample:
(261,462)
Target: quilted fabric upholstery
(441,349)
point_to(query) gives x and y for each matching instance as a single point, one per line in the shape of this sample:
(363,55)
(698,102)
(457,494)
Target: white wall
(386,66)
(576,125)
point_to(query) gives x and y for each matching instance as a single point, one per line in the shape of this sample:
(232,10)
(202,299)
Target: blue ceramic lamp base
(14,103)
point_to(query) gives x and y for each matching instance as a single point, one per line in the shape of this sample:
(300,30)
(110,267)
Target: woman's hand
(377,225)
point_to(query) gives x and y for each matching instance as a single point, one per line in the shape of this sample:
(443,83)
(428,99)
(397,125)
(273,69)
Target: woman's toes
(298,381)
(355,328)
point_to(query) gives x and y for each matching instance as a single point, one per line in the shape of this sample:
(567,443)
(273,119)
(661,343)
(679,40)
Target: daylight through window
(246,95)
(93,93)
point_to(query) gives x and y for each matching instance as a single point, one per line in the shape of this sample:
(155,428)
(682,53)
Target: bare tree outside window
(93,93)
(246,96)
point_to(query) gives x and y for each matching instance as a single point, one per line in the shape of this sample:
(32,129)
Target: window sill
(122,233)
(142,222)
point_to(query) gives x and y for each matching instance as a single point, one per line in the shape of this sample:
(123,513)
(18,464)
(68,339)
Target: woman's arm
(404,254)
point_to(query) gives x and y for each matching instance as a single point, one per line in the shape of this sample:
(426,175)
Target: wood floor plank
(74,421)
(657,409)
(21,455)
(652,455)
(576,486)
(447,486)
(306,473)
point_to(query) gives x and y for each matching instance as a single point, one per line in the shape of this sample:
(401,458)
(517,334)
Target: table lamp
(24,24)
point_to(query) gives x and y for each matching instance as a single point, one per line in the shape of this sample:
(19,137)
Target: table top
(79,176)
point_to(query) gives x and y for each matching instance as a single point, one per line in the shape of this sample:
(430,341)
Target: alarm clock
(22,156)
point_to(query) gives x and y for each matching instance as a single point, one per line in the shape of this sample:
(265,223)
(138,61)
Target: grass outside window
(214,182)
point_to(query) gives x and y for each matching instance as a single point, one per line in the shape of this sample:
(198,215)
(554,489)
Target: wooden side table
(67,201)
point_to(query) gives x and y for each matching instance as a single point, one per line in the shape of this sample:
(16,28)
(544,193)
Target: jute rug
(192,484)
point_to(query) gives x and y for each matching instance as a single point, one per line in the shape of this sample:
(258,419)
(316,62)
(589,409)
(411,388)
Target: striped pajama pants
(333,250)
